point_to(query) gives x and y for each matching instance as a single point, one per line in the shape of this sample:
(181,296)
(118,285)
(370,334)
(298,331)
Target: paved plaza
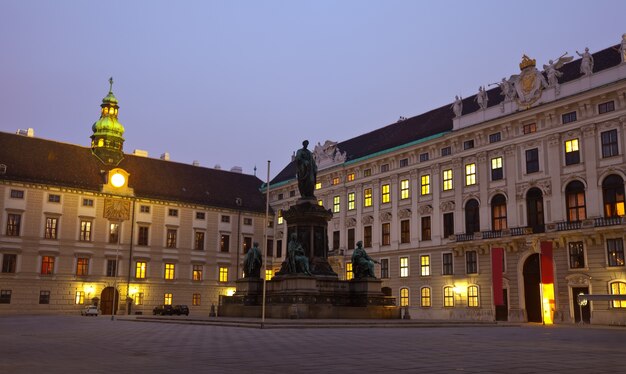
(74,344)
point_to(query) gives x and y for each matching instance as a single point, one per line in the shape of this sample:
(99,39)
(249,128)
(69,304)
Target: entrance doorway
(586,309)
(502,311)
(532,296)
(106,300)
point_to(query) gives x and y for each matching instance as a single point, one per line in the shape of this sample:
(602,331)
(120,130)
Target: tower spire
(107,140)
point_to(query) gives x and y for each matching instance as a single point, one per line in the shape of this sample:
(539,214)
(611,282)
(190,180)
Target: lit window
(367,197)
(404,267)
(171,238)
(269,274)
(350,177)
(140,269)
(470,174)
(85,231)
(404,297)
(472,296)
(572,152)
(335,181)
(336,204)
(425,297)
(349,273)
(575,201)
(530,128)
(385,196)
(404,189)
(320,202)
(79,298)
(448,296)
(425,183)
(498,212)
(167,299)
(618,288)
(425,265)
(615,251)
(318,185)
(496,169)
(195,300)
(138,298)
(82,266)
(223,274)
(47,265)
(613,196)
(172,212)
(447,179)
(51,228)
(169,271)
(280,217)
(351,197)
(197,272)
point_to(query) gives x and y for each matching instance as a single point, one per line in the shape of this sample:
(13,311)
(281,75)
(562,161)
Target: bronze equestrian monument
(306,285)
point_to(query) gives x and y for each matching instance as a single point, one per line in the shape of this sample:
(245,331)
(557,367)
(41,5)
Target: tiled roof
(439,120)
(48,162)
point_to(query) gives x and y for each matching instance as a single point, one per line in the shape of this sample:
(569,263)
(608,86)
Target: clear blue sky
(243,82)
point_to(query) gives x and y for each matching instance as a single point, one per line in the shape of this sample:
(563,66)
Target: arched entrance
(106,300)
(532,296)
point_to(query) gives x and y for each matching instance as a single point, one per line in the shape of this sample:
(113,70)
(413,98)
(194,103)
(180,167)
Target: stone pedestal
(249,290)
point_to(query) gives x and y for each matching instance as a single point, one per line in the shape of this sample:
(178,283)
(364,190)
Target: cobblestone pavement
(74,344)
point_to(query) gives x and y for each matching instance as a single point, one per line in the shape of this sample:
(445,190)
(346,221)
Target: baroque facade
(502,206)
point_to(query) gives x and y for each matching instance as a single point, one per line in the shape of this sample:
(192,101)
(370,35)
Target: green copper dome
(107,141)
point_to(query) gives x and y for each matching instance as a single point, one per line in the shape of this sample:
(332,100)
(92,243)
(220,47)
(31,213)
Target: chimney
(217,167)
(30,132)
(196,163)
(165,156)
(237,169)
(140,153)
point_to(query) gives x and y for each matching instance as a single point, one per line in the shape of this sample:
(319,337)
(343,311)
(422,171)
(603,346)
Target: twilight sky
(243,82)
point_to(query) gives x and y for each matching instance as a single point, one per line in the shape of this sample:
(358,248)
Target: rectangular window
(351,200)
(318,185)
(384,168)
(405,231)
(170,241)
(385,195)
(529,128)
(472,296)
(349,272)
(85,231)
(404,162)
(195,299)
(615,249)
(247,221)
(609,143)
(425,184)
(142,236)
(223,274)
(280,218)
(425,297)
(367,197)
(384,268)
(172,212)
(572,152)
(367,172)
(44,297)
(350,177)
(576,255)
(139,298)
(144,209)
(470,174)
(367,236)
(5,296)
(425,265)
(606,107)
(335,181)
(199,241)
(13,224)
(114,233)
(169,271)
(87,202)
(17,194)
(404,296)
(51,228)
(247,244)
(468,144)
(426,228)
(618,288)
(279,248)
(532,160)
(404,267)
(351,240)
(292,193)
(496,137)
(82,266)
(448,224)
(200,215)
(496,169)
(386,233)
(448,264)
(336,204)
(111,268)
(47,265)
(224,243)
(54,198)
(225,219)
(167,299)
(320,202)
(447,179)
(140,270)
(9,262)
(568,117)
(424,157)
(197,272)
(79,299)
(446,151)
(280,196)
(336,238)
(269,248)
(471,262)
(404,189)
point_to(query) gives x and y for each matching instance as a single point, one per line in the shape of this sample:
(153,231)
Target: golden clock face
(118,180)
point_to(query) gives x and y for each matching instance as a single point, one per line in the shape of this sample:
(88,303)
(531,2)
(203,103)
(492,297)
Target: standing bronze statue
(307,171)
(362,264)
(252,262)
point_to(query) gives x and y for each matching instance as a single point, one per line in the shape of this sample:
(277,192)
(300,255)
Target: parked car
(163,310)
(181,309)
(90,310)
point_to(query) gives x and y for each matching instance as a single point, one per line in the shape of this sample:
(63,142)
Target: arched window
(613,196)
(618,288)
(472,296)
(498,212)
(448,296)
(404,297)
(575,201)
(472,217)
(425,297)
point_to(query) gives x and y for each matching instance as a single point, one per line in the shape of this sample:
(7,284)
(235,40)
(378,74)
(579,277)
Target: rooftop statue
(586,64)
(553,74)
(481,98)
(457,106)
(622,48)
(297,260)
(252,262)
(306,170)
(362,264)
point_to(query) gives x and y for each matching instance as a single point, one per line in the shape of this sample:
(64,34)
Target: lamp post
(239,203)
(117,256)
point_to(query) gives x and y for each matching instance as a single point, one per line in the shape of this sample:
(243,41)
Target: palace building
(501,206)
(83,225)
